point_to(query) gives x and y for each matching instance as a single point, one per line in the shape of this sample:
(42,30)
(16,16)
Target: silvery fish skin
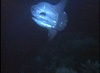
(50,16)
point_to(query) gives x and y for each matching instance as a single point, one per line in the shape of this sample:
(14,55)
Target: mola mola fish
(50,16)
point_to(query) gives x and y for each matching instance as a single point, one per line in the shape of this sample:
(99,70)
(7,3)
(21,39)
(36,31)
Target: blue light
(50,16)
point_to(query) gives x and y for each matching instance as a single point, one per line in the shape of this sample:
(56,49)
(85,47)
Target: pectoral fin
(51,34)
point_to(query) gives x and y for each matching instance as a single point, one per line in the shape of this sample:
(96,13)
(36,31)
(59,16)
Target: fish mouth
(39,19)
(34,17)
(42,22)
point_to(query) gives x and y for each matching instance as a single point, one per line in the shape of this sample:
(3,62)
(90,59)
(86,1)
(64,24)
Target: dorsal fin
(61,5)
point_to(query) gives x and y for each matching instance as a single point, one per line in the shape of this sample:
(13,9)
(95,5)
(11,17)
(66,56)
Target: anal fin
(51,34)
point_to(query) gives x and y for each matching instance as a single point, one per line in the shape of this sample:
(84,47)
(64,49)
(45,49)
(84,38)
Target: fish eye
(42,14)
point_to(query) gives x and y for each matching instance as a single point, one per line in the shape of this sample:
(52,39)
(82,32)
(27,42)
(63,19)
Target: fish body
(50,16)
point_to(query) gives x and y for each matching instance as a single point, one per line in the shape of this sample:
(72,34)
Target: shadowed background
(22,39)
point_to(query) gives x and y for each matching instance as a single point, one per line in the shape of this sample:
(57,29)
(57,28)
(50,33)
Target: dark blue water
(24,45)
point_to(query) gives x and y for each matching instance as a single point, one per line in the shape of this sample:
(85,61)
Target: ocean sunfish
(50,16)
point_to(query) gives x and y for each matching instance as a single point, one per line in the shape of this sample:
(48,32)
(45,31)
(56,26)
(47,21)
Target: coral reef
(64,70)
(90,67)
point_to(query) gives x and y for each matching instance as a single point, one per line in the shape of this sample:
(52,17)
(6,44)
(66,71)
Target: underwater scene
(50,36)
